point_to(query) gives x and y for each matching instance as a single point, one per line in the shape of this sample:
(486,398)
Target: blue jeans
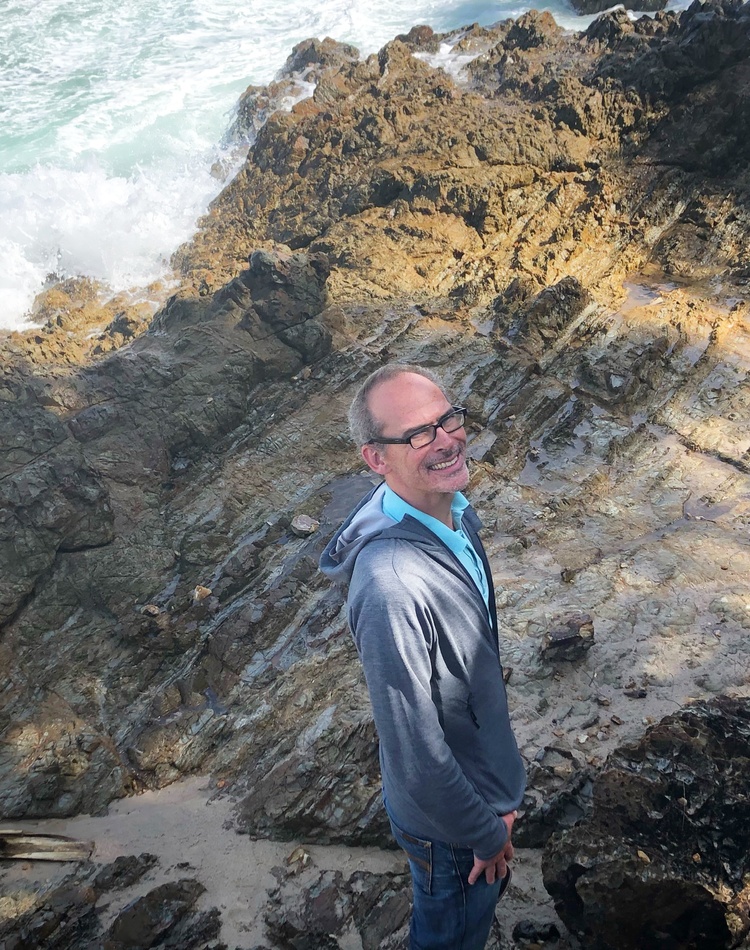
(448,913)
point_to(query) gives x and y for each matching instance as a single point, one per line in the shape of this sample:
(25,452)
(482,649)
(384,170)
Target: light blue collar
(456,541)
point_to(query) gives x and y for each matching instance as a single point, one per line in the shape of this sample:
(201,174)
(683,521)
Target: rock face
(67,916)
(313,918)
(75,488)
(562,231)
(663,860)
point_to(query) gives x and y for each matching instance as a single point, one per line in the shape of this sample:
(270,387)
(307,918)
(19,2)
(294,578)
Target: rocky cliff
(561,229)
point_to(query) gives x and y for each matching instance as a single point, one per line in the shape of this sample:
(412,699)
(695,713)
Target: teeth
(447,464)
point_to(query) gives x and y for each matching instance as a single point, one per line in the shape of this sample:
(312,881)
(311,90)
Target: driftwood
(16,845)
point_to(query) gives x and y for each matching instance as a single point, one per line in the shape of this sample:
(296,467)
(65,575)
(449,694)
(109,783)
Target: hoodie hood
(368,522)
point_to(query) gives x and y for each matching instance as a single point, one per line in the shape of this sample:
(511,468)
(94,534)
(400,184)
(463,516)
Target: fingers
(493,872)
(488,868)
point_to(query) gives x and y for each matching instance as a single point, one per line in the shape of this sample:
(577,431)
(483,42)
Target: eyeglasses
(450,422)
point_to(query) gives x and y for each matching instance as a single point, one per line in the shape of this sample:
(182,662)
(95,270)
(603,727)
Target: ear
(374,455)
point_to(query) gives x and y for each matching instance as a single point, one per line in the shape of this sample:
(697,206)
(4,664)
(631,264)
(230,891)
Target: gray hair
(362,425)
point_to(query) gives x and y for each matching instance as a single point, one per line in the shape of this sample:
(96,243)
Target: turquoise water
(113,112)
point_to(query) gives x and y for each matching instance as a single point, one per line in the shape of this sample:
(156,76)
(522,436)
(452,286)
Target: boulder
(662,860)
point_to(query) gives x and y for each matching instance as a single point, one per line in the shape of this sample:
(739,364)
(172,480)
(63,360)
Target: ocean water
(113,113)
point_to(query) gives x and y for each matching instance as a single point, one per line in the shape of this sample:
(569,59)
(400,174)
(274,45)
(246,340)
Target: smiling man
(421,608)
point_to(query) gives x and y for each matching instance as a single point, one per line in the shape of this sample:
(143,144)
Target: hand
(495,868)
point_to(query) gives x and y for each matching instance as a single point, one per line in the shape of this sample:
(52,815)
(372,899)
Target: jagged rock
(151,918)
(663,858)
(557,797)
(585,7)
(308,61)
(312,917)
(530,932)
(482,225)
(570,638)
(69,915)
(79,318)
(123,872)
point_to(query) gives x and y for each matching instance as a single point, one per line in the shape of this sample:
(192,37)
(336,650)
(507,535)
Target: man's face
(422,477)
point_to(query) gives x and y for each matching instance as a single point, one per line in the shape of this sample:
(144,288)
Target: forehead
(406,401)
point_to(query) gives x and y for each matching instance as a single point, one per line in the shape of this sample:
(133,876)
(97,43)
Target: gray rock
(569,639)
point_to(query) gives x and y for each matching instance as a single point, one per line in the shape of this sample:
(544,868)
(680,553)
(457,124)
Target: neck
(443,511)
(437,505)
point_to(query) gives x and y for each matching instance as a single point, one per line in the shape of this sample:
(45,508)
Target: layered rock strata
(562,231)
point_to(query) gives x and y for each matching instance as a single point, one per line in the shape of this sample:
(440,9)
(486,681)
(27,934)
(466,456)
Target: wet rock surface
(561,230)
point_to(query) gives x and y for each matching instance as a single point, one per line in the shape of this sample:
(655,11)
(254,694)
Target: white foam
(118,229)
(452,63)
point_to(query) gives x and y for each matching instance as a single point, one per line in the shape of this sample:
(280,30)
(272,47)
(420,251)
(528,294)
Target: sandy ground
(190,833)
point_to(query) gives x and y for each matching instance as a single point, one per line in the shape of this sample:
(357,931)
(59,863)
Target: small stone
(602,701)
(644,857)
(167,701)
(615,720)
(569,639)
(297,860)
(151,610)
(303,525)
(200,593)
(697,858)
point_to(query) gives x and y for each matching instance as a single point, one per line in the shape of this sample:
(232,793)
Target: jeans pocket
(505,883)
(419,853)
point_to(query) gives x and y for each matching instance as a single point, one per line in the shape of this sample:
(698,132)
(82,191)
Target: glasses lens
(454,421)
(422,438)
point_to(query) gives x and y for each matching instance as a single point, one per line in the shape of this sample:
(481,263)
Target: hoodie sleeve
(394,634)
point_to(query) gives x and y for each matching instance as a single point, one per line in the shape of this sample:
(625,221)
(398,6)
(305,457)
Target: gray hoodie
(448,757)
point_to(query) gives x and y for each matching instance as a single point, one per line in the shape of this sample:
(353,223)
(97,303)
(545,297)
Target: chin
(457,482)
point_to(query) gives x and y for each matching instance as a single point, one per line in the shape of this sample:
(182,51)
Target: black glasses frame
(440,424)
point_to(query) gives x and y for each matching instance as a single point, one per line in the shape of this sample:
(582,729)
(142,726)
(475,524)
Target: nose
(445,439)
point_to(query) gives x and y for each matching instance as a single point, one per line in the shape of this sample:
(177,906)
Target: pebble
(200,593)
(303,525)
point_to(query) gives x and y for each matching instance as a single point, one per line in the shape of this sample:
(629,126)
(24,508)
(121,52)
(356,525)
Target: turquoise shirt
(456,541)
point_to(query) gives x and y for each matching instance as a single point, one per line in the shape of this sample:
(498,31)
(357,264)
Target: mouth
(446,463)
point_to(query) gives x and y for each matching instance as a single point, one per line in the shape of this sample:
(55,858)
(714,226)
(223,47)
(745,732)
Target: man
(422,612)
